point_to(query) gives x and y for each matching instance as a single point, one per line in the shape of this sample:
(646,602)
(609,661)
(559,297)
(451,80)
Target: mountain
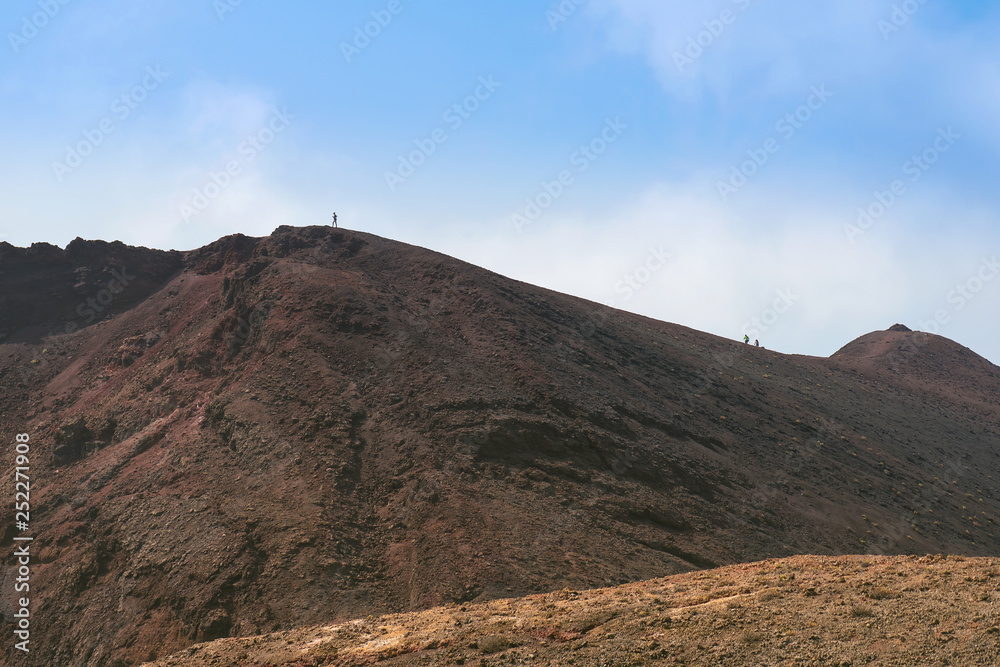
(924,362)
(323,424)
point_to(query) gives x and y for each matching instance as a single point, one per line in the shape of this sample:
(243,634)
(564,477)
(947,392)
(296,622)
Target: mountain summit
(324,424)
(928,363)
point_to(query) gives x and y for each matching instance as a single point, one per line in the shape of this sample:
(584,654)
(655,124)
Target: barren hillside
(322,425)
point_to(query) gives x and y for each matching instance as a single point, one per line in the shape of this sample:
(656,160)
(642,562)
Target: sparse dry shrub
(860,611)
(752,637)
(770,594)
(882,593)
(493,644)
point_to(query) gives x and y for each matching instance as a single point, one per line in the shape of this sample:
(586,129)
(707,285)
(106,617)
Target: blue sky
(700,163)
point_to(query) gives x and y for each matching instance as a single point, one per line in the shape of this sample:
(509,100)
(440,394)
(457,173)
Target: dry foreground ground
(805,610)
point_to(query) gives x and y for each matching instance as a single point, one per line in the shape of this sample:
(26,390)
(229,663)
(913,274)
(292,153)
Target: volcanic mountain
(323,424)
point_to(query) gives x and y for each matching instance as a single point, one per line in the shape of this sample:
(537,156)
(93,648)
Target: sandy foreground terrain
(805,610)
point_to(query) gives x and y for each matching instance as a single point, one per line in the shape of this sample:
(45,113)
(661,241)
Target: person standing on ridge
(756,342)
(334,218)
(746,338)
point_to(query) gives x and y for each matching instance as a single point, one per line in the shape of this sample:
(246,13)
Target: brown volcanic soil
(804,610)
(927,363)
(323,424)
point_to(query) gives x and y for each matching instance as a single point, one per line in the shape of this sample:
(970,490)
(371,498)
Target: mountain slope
(324,424)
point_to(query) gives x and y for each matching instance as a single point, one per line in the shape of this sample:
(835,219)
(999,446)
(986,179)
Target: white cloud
(729,266)
(131,186)
(775,50)
(781,47)
(224,112)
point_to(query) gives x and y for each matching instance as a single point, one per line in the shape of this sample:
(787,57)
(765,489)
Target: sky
(803,173)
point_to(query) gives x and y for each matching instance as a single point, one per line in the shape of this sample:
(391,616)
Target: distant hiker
(756,342)
(746,338)
(335,219)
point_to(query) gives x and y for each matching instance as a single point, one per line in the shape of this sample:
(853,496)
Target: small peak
(900,328)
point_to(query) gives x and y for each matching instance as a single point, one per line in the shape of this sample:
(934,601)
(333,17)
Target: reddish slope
(324,424)
(927,363)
